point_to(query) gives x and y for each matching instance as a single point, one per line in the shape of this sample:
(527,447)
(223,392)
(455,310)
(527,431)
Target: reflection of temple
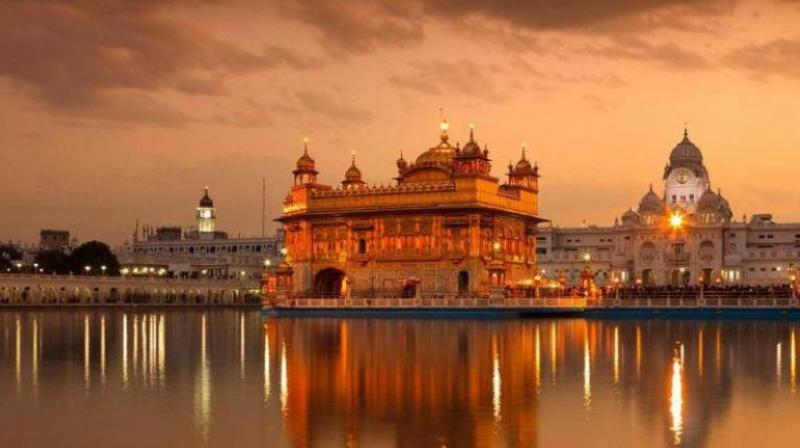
(522,383)
(684,234)
(465,390)
(446,226)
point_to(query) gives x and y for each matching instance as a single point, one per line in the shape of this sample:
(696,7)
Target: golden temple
(445,228)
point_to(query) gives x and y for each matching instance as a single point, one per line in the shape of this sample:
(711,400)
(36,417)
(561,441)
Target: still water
(230,378)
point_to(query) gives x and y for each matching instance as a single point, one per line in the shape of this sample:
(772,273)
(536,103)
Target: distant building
(54,240)
(686,235)
(201,251)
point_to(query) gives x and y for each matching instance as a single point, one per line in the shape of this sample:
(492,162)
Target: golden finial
(353,153)
(524,146)
(305,145)
(472,132)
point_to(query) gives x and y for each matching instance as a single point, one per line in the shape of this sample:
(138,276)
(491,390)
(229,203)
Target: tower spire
(305,145)
(472,132)
(524,146)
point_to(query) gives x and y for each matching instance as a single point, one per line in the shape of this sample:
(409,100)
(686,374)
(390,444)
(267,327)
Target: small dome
(305,162)
(651,203)
(353,175)
(206,201)
(523,166)
(685,153)
(709,202)
(472,148)
(630,216)
(401,162)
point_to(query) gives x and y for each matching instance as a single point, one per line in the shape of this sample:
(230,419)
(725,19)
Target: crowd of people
(655,292)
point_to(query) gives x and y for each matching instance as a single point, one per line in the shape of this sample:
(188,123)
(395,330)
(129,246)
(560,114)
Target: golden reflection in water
(553,355)
(676,398)
(267,387)
(202,396)
(718,350)
(497,384)
(125,351)
(778,361)
(792,363)
(103,351)
(162,349)
(616,354)
(35,356)
(538,360)
(700,353)
(87,346)
(135,340)
(18,355)
(284,380)
(241,346)
(638,350)
(587,374)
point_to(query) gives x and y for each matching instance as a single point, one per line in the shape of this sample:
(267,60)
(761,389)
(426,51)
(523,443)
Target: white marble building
(683,234)
(199,251)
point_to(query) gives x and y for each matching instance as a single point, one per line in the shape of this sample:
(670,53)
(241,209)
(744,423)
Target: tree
(94,254)
(53,261)
(8,254)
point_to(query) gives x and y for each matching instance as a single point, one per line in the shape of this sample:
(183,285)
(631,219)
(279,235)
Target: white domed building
(684,236)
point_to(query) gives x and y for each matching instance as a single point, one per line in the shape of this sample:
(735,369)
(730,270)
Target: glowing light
(444,126)
(241,346)
(267,386)
(125,351)
(778,360)
(86,351)
(284,380)
(103,350)
(587,374)
(497,384)
(676,220)
(18,354)
(676,399)
(203,386)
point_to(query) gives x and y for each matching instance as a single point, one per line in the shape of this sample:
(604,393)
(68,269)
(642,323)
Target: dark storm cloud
(780,57)
(95,59)
(668,54)
(331,107)
(462,77)
(361,27)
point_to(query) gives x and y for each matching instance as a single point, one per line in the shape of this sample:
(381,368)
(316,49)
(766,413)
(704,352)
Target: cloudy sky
(118,111)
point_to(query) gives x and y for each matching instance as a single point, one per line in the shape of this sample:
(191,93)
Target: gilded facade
(445,227)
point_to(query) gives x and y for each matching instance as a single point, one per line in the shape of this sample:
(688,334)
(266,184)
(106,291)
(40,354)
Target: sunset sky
(118,111)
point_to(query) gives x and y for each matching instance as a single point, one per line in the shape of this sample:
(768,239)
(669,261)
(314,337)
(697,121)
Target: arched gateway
(328,283)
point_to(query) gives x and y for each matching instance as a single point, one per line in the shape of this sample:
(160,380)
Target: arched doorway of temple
(328,283)
(648,278)
(463,283)
(409,288)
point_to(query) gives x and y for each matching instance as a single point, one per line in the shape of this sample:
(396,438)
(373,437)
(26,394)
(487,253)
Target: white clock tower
(206,216)
(685,177)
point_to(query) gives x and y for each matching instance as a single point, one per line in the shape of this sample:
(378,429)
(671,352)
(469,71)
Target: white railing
(428,303)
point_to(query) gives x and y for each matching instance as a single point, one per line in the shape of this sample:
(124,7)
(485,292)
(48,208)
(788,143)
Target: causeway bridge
(45,289)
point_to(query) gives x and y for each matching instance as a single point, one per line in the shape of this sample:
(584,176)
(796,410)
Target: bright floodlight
(676,221)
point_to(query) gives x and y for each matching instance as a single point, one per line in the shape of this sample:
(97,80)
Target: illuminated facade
(687,235)
(446,227)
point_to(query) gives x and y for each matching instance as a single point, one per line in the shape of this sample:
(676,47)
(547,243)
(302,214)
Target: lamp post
(87,269)
(103,268)
(19,267)
(35,268)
